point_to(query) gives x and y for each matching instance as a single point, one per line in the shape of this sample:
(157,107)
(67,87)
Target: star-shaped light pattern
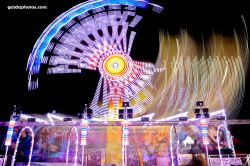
(98,37)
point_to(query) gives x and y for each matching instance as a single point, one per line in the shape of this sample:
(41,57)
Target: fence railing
(131,123)
(239,159)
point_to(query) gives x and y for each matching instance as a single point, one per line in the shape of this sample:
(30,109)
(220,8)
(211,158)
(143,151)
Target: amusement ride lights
(81,39)
(125,141)
(229,141)
(101,39)
(84,132)
(17,143)
(8,139)
(203,117)
(76,146)
(36,119)
(217,76)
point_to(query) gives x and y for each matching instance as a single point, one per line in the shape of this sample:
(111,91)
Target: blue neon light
(64,18)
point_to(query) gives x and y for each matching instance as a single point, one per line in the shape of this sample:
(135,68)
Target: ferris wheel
(97,35)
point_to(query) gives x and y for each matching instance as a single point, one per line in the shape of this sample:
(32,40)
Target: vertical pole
(125,157)
(126,113)
(125,135)
(171,147)
(178,146)
(8,138)
(218,144)
(125,140)
(204,133)
(232,142)
(122,155)
(207,159)
(84,132)
(5,156)
(82,155)
(86,160)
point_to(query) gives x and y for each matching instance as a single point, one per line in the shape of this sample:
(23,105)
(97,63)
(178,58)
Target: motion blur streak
(212,71)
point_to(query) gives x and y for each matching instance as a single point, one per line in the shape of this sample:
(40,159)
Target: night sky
(67,93)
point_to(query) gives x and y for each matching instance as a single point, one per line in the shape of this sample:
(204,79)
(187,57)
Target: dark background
(67,93)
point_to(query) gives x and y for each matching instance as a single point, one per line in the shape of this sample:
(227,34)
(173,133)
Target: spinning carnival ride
(97,35)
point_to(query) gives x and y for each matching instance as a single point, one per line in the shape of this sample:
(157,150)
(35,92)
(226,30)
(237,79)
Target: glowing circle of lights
(115,66)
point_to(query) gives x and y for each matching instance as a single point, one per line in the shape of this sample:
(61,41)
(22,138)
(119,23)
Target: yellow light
(115,65)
